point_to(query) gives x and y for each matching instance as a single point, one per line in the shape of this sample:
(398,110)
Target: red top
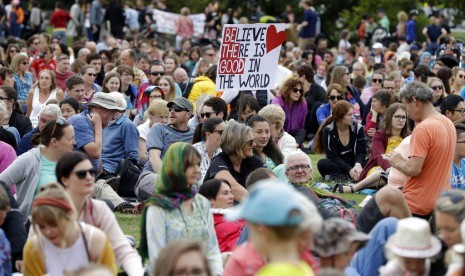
(39,65)
(60,19)
(227,232)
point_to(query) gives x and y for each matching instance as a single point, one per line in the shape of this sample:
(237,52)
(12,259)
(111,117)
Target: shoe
(340,188)
(126,208)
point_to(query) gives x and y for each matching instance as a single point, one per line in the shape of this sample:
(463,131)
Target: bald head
(91,46)
(180,75)
(82,55)
(128,57)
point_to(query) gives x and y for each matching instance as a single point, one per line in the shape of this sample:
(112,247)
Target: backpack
(128,173)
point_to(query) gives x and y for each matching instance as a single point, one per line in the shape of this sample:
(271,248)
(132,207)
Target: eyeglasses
(91,75)
(296,90)
(207,114)
(157,73)
(176,109)
(438,87)
(400,117)
(250,142)
(57,122)
(3,99)
(377,80)
(453,196)
(220,132)
(81,174)
(339,98)
(297,167)
(462,111)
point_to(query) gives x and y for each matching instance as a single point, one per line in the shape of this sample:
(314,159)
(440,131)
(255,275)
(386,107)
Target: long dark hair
(386,123)
(207,126)
(12,94)
(270,149)
(53,129)
(67,163)
(340,109)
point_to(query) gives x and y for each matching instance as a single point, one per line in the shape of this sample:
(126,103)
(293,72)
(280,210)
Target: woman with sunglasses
(457,81)
(45,90)
(237,159)
(35,168)
(377,79)
(75,172)
(23,78)
(334,94)
(265,148)
(340,75)
(393,129)
(176,211)
(207,140)
(438,91)
(88,74)
(292,101)
(11,52)
(343,141)
(58,242)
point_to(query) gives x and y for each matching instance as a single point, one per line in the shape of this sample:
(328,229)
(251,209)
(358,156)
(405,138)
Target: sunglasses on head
(57,122)
(377,80)
(207,114)
(81,174)
(157,73)
(176,109)
(295,90)
(339,98)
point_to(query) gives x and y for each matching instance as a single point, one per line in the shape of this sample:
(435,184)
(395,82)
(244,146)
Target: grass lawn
(131,223)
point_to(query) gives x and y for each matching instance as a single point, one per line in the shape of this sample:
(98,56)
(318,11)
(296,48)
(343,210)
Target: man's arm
(409,166)
(154,159)
(238,190)
(94,149)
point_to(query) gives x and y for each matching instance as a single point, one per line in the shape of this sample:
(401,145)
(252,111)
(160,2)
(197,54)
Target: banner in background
(166,20)
(249,56)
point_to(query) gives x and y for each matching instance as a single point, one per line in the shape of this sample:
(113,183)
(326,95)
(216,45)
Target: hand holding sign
(249,56)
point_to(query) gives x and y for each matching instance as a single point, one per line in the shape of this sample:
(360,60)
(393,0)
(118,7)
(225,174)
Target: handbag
(128,172)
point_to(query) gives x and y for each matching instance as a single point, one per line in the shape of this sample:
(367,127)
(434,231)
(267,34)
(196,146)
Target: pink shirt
(7,156)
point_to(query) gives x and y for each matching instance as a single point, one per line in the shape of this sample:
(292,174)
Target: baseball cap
(183,103)
(270,203)
(336,236)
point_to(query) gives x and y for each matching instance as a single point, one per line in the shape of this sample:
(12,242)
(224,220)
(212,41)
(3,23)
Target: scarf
(170,190)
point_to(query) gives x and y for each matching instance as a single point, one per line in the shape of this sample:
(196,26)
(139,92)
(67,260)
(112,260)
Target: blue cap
(269,203)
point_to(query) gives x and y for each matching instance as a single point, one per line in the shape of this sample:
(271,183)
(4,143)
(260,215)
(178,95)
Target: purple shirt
(295,115)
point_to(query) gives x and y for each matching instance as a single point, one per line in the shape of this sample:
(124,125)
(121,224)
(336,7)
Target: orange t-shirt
(434,140)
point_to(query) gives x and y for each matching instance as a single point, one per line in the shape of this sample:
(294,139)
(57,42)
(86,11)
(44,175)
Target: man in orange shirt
(432,148)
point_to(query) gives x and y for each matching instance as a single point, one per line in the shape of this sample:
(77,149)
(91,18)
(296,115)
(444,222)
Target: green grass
(130,224)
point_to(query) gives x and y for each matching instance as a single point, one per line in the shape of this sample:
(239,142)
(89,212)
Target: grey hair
(51,110)
(119,97)
(296,153)
(233,138)
(446,204)
(417,90)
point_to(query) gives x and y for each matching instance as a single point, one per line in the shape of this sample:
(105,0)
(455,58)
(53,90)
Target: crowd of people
(223,180)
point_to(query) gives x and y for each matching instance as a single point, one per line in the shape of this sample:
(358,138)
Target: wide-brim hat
(106,101)
(413,239)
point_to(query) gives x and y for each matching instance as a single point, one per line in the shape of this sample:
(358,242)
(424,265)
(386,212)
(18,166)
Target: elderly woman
(283,140)
(237,160)
(292,101)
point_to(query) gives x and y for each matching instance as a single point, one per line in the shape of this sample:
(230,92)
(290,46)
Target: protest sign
(249,56)
(167,20)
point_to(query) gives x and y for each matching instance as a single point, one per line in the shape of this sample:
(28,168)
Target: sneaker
(132,240)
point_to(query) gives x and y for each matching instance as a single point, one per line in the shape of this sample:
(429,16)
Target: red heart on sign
(273,38)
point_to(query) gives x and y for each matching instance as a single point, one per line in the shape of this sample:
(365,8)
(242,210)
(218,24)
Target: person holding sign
(291,100)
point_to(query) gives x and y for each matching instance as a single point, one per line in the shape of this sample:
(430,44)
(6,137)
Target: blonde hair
(158,106)
(274,114)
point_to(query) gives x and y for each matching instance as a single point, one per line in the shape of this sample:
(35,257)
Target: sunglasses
(377,80)
(207,114)
(57,122)
(438,87)
(177,109)
(91,75)
(295,90)
(250,142)
(339,98)
(454,197)
(24,63)
(297,167)
(81,174)
(400,117)
(157,73)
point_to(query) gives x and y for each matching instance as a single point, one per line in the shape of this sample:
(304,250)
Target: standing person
(114,18)
(76,25)
(58,242)
(184,27)
(35,18)
(74,171)
(307,29)
(176,211)
(293,103)
(411,27)
(59,21)
(384,20)
(433,142)
(16,18)
(131,18)
(96,19)
(433,34)
(45,90)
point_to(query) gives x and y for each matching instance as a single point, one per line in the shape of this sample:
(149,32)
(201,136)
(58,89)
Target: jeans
(61,35)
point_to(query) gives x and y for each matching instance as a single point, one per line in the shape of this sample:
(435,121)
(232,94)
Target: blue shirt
(84,134)
(21,86)
(121,142)
(26,142)
(411,31)
(309,31)
(323,112)
(457,177)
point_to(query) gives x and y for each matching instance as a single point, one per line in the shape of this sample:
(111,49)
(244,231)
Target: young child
(273,212)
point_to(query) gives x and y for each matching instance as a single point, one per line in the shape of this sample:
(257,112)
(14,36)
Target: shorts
(369,216)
